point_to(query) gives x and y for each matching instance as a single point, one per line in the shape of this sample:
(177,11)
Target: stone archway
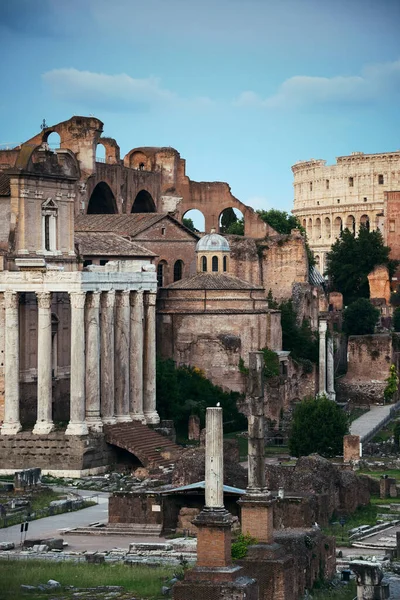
(143,203)
(102,201)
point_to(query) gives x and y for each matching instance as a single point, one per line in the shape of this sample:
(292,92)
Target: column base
(152,418)
(331,395)
(43,427)
(109,420)
(123,418)
(138,417)
(10,428)
(76,429)
(94,424)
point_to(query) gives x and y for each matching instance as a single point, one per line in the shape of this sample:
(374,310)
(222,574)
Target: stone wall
(130,507)
(392,229)
(368,358)
(56,453)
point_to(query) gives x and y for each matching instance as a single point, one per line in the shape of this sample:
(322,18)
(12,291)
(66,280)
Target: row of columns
(113,361)
(326,362)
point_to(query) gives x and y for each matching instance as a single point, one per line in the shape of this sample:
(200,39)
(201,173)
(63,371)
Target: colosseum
(330,198)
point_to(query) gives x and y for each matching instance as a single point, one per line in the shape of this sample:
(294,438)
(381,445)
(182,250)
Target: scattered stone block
(7,546)
(28,588)
(53,583)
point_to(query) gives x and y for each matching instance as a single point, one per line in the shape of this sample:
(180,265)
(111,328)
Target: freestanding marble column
(122,339)
(330,370)
(92,384)
(77,424)
(322,356)
(149,360)
(44,423)
(214,493)
(136,358)
(11,424)
(107,357)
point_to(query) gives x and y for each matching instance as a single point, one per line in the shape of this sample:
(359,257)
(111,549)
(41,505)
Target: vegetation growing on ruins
(392,384)
(318,425)
(182,391)
(360,317)
(240,545)
(230,223)
(284,223)
(187,222)
(302,341)
(271,364)
(352,258)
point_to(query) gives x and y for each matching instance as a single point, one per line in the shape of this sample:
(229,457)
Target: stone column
(77,424)
(136,358)
(11,424)
(149,360)
(322,356)
(214,493)
(92,384)
(44,423)
(122,339)
(330,370)
(107,357)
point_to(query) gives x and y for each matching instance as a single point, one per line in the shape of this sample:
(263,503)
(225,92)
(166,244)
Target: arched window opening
(231,221)
(53,140)
(141,166)
(49,225)
(143,203)
(214,264)
(161,273)
(309,229)
(102,201)
(317,261)
(364,222)
(351,224)
(194,219)
(305,224)
(327,227)
(317,228)
(225,264)
(338,226)
(178,269)
(100,153)
(204,263)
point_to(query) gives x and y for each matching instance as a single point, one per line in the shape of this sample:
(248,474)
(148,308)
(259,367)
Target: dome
(212,242)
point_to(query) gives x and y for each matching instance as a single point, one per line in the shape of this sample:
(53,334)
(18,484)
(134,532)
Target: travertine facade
(330,198)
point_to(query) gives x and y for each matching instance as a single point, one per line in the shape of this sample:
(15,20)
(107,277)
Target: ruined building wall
(330,197)
(392,217)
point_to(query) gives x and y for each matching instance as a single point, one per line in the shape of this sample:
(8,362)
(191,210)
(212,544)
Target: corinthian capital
(77,299)
(44,299)
(11,299)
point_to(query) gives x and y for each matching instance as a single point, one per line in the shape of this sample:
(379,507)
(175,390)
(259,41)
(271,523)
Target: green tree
(352,258)
(187,222)
(392,384)
(318,425)
(396,319)
(360,317)
(280,220)
(236,228)
(228,218)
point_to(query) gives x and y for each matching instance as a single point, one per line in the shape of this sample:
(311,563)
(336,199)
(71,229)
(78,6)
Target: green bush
(240,545)
(318,425)
(302,341)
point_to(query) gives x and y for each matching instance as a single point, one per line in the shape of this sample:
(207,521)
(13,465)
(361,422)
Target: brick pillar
(351,448)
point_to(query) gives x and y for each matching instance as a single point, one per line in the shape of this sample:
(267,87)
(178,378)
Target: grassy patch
(143,581)
(379,472)
(386,432)
(341,592)
(364,515)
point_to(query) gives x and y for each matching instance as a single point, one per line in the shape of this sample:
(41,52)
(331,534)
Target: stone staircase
(129,529)
(151,448)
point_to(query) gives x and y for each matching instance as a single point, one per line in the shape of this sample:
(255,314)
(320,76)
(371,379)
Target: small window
(327,184)
(162,230)
(351,181)
(178,270)
(365,199)
(338,200)
(215,264)
(204,263)
(103,262)
(86,263)
(160,274)
(381,179)
(392,227)
(317,202)
(224,262)
(310,186)
(47,232)
(141,166)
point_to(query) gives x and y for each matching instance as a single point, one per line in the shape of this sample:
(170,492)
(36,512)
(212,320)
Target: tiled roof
(131,224)
(315,277)
(4,185)
(213,281)
(108,244)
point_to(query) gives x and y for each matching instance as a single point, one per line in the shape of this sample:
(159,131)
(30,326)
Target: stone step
(125,529)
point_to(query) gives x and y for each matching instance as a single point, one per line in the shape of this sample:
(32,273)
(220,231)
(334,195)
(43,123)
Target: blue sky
(241,88)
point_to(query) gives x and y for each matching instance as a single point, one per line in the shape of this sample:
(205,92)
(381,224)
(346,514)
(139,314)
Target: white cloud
(115,92)
(302,91)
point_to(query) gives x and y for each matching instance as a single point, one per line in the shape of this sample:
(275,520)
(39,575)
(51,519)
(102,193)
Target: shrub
(360,317)
(240,545)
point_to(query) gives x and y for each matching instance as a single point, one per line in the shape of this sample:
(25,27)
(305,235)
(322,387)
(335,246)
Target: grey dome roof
(212,242)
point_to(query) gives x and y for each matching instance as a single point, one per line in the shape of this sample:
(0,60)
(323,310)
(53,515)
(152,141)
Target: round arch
(351,224)
(338,227)
(143,203)
(194,220)
(231,220)
(327,227)
(317,228)
(52,138)
(309,228)
(102,201)
(364,221)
